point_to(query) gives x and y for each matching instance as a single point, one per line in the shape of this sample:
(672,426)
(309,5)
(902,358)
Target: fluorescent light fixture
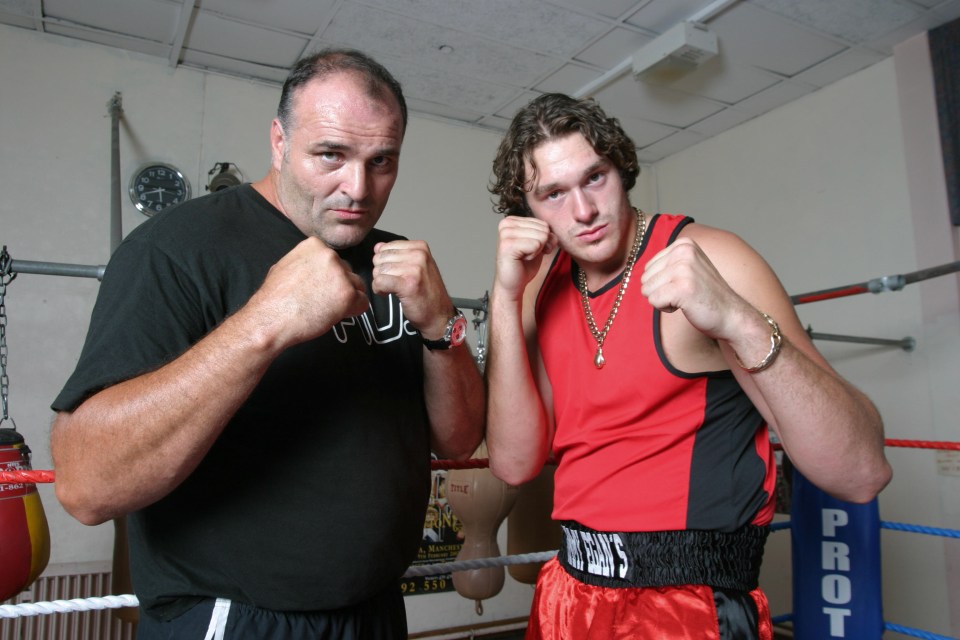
(675,52)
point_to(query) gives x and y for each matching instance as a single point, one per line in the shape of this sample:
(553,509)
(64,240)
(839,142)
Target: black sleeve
(147,313)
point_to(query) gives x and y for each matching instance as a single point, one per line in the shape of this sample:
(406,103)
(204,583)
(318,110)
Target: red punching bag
(24,535)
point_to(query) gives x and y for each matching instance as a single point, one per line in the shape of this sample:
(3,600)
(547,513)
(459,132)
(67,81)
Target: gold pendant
(598,360)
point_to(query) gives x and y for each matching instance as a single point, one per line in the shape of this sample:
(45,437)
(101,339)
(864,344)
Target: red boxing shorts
(669,585)
(565,608)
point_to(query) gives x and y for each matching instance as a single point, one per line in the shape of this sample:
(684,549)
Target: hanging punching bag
(530,527)
(24,535)
(481,502)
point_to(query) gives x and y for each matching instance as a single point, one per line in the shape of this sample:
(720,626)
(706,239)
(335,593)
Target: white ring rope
(119,602)
(479,563)
(67,606)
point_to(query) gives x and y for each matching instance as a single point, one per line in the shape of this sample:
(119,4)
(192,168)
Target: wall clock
(156,186)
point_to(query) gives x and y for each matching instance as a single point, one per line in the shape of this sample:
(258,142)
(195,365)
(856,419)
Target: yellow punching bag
(481,502)
(24,535)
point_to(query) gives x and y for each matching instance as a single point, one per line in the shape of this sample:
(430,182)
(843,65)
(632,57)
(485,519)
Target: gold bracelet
(775,341)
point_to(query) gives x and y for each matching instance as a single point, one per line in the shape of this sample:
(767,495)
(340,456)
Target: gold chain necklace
(600,336)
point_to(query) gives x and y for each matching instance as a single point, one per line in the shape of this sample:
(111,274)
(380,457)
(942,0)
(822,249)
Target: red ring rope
(924,444)
(39,477)
(26,477)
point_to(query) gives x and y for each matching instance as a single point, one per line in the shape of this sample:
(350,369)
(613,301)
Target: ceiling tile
(118,41)
(628,98)
(668,146)
(721,121)
(856,21)
(301,16)
(752,36)
(608,8)
(718,80)
(19,7)
(643,132)
(511,109)
(530,24)
(659,15)
(495,122)
(568,79)
(155,21)
(441,110)
(15,20)
(888,41)
(613,48)
(394,36)
(775,96)
(243,68)
(210,33)
(442,87)
(948,10)
(839,66)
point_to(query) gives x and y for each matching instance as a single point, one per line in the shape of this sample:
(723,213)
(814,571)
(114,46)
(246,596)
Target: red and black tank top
(640,445)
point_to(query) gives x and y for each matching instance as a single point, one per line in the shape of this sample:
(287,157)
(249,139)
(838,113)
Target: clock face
(156,186)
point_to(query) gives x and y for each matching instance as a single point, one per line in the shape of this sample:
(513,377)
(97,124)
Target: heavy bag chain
(6,277)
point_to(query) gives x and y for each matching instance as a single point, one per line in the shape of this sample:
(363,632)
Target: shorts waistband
(663,558)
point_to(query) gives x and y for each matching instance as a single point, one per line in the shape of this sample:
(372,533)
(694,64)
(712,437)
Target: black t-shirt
(313,496)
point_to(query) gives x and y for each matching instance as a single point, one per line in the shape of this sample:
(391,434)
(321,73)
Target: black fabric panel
(737,616)
(945,58)
(726,473)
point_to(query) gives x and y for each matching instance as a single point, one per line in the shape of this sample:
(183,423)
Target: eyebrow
(328,145)
(548,188)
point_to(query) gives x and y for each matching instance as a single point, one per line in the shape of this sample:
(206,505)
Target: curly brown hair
(555,115)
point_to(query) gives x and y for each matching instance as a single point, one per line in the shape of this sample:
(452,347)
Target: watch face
(156,186)
(458,332)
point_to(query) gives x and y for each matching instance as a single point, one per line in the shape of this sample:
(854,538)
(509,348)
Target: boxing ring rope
(129,600)
(877,285)
(40,476)
(806,496)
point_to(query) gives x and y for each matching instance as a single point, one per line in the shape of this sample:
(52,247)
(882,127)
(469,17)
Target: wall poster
(442,540)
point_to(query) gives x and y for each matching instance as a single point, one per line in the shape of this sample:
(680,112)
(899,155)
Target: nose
(354,183)
(584,209)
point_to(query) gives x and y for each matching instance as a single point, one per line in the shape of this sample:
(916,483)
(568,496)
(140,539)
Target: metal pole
(470,303)
(116,213)
(58,269)
(907,344)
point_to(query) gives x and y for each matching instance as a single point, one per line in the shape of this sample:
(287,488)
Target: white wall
(820,188)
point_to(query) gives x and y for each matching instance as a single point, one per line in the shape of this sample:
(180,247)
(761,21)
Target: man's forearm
(455,400)
(132,443)
(517,424)
(829,429)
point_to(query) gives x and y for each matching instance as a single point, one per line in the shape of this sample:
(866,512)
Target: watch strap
(448,338)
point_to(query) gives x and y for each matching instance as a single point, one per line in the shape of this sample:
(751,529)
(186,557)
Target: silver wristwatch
(454,334)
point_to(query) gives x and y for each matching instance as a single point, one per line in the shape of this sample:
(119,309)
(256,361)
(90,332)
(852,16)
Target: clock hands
(158,190)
